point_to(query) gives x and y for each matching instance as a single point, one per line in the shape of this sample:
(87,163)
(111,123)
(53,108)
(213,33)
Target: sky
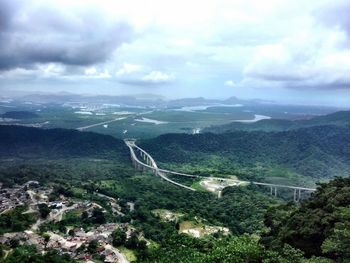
(292,51)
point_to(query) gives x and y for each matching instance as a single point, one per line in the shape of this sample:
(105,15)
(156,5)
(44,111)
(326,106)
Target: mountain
(319,226)
(19,115)
(26,142)
(340,118)
(316,152)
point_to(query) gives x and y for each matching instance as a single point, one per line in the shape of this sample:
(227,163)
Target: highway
(100,123)
(152,165)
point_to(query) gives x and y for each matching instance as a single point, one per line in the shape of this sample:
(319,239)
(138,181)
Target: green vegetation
(341,118)
(303,155)
(28,254)
(119,237)
(86,166)
(15,221)
(26,143)
(320,226)
(44,210)
(19,115)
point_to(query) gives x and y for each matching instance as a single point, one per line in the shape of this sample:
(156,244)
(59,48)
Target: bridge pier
(297,195)
(219,194)
(273,191)
(150,164)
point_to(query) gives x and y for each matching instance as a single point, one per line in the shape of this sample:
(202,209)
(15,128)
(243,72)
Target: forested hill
(19,115)
(340,118)
(319,226)
(321,151)
(26,142)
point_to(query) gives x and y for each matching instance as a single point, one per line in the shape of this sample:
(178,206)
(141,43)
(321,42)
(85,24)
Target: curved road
(162,172)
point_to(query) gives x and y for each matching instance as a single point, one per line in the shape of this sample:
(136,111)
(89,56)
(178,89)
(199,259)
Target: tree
(44,210)
(46,239)
(318,227)
(119,237)
(339,242)
(132,242)
(71,232)
(84,216)
(14,242)
(62,228)
(98,216)
(92,247)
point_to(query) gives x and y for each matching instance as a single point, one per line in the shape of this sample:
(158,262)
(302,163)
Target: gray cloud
(336,15)
(43,35)
(269,48)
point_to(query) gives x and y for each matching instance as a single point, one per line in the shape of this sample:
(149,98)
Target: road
(151,164)
(100,123)
(121,257)
(57,216)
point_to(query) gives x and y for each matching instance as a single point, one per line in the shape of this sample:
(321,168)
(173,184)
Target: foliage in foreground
(29,254)
(320,226)
(15,221)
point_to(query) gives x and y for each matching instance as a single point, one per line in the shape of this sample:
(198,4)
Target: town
(96,242)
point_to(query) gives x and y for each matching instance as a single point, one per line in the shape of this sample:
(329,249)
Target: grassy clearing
(167,215)
(129,254)
(197,185)
(198,229)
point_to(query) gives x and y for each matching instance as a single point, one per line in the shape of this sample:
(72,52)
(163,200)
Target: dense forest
(48,155)
(340,118)
(262,228)
(317,152)
(26,142)
(19,115)
(316,231)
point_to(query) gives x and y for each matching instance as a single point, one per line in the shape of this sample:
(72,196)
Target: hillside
(319,226)
(317,152)
(26,142)
(59,155)
(340,118)
(19,115)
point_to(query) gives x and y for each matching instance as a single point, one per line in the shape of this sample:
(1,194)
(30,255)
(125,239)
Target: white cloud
(314,58)
(90,71)
(128,68)
(267,44)
(229,83)
(93,72)
(157,77)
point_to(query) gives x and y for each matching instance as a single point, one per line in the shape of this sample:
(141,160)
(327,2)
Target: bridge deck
(162,172)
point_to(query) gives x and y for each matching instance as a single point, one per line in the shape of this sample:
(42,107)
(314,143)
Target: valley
(215,193)
(174,131)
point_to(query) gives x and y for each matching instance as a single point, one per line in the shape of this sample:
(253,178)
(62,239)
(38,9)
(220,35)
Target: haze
(287,51)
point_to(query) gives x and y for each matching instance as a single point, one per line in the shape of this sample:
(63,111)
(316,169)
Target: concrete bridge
(149,163)
(297,190)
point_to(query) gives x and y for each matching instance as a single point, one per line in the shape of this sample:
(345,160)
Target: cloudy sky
(293,51)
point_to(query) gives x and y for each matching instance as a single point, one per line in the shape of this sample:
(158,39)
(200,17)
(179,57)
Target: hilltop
(19,115)
(340,118)
(27,142)
(316,152)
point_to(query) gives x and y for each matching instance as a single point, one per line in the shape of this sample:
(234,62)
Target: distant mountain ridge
(317,152)
(340,118)
(148,100)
